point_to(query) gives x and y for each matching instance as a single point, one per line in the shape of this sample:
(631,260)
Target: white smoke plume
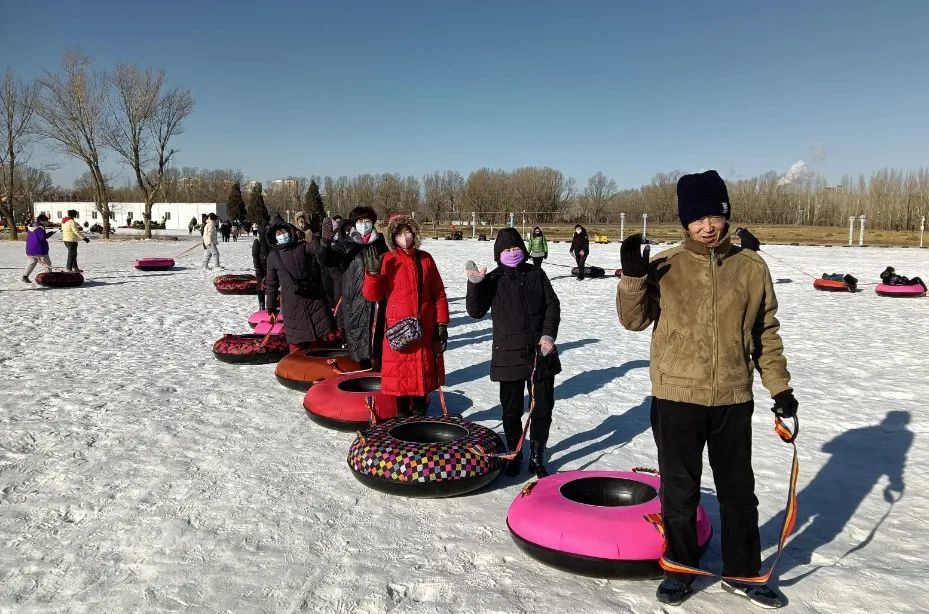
(797,173)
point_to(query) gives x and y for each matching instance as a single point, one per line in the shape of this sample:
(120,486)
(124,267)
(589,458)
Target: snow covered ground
(138,473)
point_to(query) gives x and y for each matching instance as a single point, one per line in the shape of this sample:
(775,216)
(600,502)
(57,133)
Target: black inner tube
(608,492)
(428,432)
(361,384)
(327,353)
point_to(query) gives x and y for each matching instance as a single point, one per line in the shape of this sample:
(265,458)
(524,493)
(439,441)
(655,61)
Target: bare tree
(71,107)
(18,101)
(144,120)
(599,191)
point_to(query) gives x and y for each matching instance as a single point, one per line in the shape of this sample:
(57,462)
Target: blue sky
(629,88)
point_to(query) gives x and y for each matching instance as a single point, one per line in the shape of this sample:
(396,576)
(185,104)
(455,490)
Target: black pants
(411,406)
(681,430)
(511,400)
(72,256)
(580,264)
(537,261)
(261,290)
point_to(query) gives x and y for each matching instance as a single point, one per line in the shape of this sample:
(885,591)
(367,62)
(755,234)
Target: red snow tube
(831,285)
(59,279)
(590,271)
(236,284)
(247,350)
(153,264)
(342,402)
(303,368)
(887,290)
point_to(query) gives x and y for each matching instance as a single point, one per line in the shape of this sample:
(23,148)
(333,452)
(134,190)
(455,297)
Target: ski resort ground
(137,473)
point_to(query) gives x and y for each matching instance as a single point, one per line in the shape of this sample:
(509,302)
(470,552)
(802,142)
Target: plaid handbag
(408,330)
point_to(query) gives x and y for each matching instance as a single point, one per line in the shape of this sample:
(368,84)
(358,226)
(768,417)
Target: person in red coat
(408,279)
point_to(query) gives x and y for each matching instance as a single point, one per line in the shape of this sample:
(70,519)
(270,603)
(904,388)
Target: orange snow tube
(831,285)
(303,368)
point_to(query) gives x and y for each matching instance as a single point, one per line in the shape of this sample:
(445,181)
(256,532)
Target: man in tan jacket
(713,309)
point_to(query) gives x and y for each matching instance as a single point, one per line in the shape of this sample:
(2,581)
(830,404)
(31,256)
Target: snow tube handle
(787,435)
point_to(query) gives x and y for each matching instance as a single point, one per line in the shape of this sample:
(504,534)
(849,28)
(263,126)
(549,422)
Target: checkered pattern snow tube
(59,279)
(426,456)
(236,284)
(247,350)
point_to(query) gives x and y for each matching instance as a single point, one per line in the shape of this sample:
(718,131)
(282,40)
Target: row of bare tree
(85,114)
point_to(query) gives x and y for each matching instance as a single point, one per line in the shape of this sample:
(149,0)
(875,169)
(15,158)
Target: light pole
(861,232)
(622,226)
(473,225)
(644,225)
(922,227)
(851,229)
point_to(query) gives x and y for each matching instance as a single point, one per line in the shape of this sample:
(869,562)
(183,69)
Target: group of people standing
(37,247)
(711,306)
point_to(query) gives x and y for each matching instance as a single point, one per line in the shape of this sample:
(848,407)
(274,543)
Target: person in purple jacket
(37,246)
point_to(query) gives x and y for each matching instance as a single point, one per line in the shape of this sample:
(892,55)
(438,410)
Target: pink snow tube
(910,290)
(593,522)
(263,328)
(262,316)
(153,264)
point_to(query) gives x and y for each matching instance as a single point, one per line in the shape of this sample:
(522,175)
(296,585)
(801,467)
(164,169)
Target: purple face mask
(511,259)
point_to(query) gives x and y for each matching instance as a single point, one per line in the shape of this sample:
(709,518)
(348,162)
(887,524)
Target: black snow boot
(537,459)
(512,467)
(672,591)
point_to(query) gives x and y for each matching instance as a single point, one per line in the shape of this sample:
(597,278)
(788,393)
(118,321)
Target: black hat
(700,195)
(507,238)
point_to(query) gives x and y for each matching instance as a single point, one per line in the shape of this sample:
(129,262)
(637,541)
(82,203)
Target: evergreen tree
(313,203)
(235,204)
(257,212)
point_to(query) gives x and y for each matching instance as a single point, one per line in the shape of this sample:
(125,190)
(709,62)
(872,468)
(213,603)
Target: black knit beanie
(700,195)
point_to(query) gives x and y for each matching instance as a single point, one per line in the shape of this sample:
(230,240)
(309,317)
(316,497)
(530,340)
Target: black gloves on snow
(441,336)
(632,258)
(749,241)
(785,405)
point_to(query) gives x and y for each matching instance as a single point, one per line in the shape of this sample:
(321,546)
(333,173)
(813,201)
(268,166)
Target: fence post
(851,229)
(922,227)
(861,233)
(622,226)
(644,225)
(512,216)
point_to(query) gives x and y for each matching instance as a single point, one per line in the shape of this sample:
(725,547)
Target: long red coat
(417,369)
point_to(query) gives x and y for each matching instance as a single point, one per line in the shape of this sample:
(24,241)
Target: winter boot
(672,591)
(851,281)
(758,594)
(512,467)
(537,459)
(26,279)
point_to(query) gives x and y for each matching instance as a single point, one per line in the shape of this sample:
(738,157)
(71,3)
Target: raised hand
(475,275)
(633,259)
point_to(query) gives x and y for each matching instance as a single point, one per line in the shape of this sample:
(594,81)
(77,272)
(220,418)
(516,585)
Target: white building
(175,215)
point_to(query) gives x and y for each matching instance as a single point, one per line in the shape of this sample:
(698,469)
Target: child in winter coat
(37,247)
(526,314)
(71,233)
(538,246)
(293,268)
(580,249)
(890,277)
(408,279)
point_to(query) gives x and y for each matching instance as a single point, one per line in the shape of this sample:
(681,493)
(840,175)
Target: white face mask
(283,239)
(404,240)
(364,226)
(577,230)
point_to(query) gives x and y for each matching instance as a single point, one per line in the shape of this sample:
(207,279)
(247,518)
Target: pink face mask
(511,258)
(404,240)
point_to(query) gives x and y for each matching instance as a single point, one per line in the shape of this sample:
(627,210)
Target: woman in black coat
(580,248)
(293,268)
(526,314)
(260,251)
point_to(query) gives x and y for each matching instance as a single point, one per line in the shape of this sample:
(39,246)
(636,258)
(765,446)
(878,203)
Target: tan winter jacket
(71,231)
(717,323)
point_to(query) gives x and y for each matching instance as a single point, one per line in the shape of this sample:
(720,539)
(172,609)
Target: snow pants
(411,406)
(581,260)
(513,404)
(681,431)
(32,261)
(211,250)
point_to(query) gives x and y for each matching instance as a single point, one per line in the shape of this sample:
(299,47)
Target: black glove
(86,240)
(372,261)
(785,405)
(633,260)
(441,335)
(749,241)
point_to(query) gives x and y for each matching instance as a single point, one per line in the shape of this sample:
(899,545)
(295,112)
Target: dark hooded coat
(524,308)
(307,318)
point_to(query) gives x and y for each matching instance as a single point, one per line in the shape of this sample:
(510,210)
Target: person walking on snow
(538,247)
(408,281)
(580,249)
(293,268)
(209,242)
(71,233)
(37,247)
(714,313)
(526,314)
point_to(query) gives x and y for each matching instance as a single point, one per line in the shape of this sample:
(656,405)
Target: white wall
(179,213)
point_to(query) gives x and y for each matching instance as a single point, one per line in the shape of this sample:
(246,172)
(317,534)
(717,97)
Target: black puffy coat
(307,318)
(260,252)
(524,307)
(580,242)
(356,312)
